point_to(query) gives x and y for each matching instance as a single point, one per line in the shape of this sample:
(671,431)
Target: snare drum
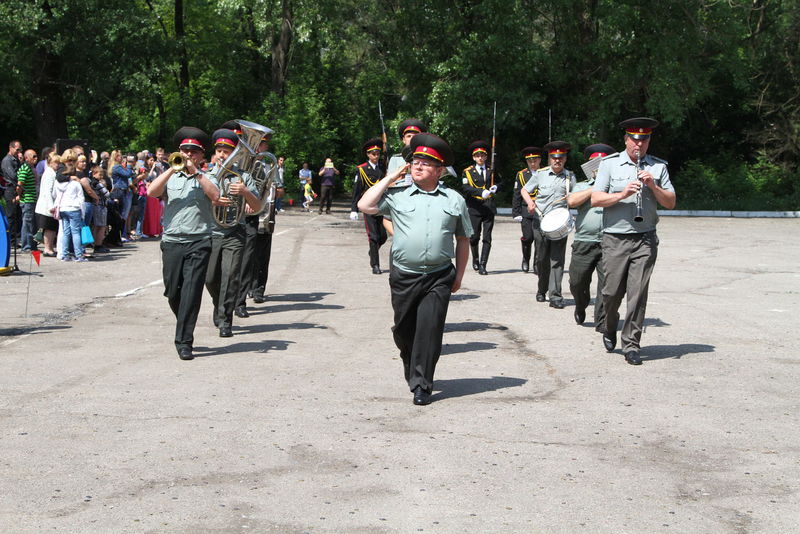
(557,223)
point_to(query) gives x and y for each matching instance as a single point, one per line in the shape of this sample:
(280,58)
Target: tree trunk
(48,106)
(280,50)
(183,58)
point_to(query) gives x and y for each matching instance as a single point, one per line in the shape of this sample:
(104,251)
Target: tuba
(245,161)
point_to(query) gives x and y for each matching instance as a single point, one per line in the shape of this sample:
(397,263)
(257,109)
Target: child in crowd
(98,183)
(308,194)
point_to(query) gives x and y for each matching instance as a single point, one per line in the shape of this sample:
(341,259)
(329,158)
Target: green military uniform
(587,257)
(629,247)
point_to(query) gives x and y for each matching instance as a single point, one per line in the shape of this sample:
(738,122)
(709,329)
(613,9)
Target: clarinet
(638,217)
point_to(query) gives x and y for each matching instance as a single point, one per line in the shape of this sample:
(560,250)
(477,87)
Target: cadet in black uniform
(529,221)
(368,174)
(479,193)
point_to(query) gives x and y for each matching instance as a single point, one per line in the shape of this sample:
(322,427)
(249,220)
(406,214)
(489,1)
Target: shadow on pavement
(292,307)
(264,328)
(472,327)
(455,348)
(661,352)
(268,345)
(464,296)
(298,297)
(42,329)
(461,387)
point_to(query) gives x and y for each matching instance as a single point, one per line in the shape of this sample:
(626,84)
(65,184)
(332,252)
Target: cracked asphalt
(302,421)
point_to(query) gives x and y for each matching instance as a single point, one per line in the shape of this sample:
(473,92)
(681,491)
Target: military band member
(630,246)
(406,130)
(553,183)
(479,193)
(186,241)
(587,254)
(368,174)
(529,222)
(426,216)
(227,241)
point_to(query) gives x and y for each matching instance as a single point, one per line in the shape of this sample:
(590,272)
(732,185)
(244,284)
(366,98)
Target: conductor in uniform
(186,241)
(629,187)
(427,216)
(368,174)
(587,254)
(479,193)
(529,222)
(553,183)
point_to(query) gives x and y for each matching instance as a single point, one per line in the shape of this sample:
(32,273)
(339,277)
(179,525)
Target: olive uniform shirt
(187,212)
(552,188)
(589,221)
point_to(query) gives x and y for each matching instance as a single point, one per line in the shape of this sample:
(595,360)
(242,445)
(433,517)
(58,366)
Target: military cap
(373,144)
(479,146)
(598,150)
(189,136)
(411,125)
(531,152)
(639,127)
(225,137)
(433,147)
(232,125)
(557,149)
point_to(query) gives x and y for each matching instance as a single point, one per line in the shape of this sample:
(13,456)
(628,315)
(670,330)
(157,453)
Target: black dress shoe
(421,397)
(632,357)
(609,341)
(482,269)
(540,297)
(259,299)
(526,266)
(214,318)
(185,353)
(376,269)
(475,265)
(241,311)
(225,331)
(558,304)
(580,316)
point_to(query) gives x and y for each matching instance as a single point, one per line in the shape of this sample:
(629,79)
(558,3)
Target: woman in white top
(44,203)
(70,193)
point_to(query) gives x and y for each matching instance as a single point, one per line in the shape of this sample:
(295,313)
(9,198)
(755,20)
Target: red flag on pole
(36,256)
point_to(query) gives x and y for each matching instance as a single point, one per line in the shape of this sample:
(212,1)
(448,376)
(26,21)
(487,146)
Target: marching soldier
(186,241)
(553,183)
(629,187)
(529,222)
(406,130)
(587,254)
(368,174)
(479,193)
(227,241)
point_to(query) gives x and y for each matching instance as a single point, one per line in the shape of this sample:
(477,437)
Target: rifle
(384,139)
(494,144)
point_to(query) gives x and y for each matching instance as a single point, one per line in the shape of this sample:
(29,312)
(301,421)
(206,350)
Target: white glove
(493,189)
(518,218)
(353,215)
(485,194)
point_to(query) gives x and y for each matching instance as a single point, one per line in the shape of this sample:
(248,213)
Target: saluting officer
(529,222)
(587,254)
(227,241)
(186,241)
(479,193)
(368,174)
(553,183)
(630,246)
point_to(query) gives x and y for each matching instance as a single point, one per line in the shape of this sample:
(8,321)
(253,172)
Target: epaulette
(468,168)
(543,169)
(614,155)
(659,160)
(363,164)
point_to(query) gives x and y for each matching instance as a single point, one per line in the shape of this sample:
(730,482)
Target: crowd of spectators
(75,205)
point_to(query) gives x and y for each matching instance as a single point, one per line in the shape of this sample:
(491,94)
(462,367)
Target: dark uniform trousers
(420,304)
(184,271)
(224,270)
(531,235)
(482,219)
(587,257)
(247,279)
(376,234)
(551,266)
(629,260)
(262,255)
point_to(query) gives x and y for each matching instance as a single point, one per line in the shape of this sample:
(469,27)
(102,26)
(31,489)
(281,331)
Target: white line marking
(134,290)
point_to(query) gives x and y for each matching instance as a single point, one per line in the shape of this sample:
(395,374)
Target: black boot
(475,263)
(526,257)
(374,258)
(487,247)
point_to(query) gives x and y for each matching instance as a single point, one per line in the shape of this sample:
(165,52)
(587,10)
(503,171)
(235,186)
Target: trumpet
(639,217)
(177,162)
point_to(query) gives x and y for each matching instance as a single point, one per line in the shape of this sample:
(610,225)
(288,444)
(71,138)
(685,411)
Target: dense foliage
(723,77)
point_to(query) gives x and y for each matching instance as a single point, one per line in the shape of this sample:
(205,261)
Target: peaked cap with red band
(639,127)
(225,137)
(478,146)
(373,144)
(189,136)
(432,147)
(531,152)
(557,149)
(598,150)
(411,125)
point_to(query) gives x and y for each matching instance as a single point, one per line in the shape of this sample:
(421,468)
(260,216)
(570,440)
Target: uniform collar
(414,188)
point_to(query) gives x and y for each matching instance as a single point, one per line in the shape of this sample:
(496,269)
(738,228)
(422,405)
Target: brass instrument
(245,162)
(639,217)
(177,162)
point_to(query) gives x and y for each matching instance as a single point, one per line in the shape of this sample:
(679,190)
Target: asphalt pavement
(302,421)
